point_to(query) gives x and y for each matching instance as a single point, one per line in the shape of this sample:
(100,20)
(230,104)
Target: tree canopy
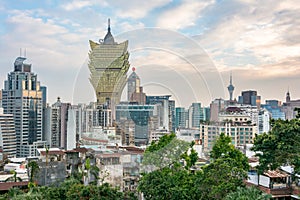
(281,146)
(221,177)
(169,183)
(223,148)
(248,193)
(225,173)
(70,189)
(165,152)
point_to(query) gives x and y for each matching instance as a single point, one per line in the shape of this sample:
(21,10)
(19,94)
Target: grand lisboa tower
(108,65)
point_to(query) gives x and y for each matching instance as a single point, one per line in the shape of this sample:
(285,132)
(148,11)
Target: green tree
(161,143)
(70,189)
(169,179)
(91,170)
(226,172)
(87,174)
(92,192)
(221,177)
(165,152)
(281,146)
(190,156)
(223,148)
(169,183)
(248,193)
(33,168)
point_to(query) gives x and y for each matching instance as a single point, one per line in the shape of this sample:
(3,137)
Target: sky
(185,48)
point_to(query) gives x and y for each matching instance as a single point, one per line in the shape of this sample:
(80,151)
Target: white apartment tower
(22,97)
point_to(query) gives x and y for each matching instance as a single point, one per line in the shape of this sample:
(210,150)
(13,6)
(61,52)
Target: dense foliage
(224,149)
(169,183)
(248,193)
(70,189)
(165,152)
(281,146)
(226,171)
(222,176)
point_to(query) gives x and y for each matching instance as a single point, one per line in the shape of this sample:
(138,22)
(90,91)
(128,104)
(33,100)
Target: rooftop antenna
(20,52)
(25,53)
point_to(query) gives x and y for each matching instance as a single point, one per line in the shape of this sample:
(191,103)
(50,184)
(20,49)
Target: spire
(108,39)
(108,25)
(231,78)
(288,97)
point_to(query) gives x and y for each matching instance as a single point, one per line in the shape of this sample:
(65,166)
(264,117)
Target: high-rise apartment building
(108,64)
(8,142)
(22,97)
(56,117)
(196,114)
(181,117)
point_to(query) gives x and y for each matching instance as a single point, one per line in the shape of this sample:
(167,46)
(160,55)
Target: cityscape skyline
(258,44)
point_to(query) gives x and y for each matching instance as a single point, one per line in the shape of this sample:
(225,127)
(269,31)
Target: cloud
(42,37)
(267,32)
(183,15)
(55,52)
(257,40)
(127,26)
(165,57)
(136,9)
(76,5)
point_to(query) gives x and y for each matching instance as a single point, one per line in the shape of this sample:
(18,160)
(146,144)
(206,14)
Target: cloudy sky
(185,48)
